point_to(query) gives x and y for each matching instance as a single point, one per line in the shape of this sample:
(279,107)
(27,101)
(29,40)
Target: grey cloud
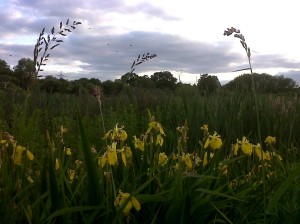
(273,61)
(293,74)
(110,56)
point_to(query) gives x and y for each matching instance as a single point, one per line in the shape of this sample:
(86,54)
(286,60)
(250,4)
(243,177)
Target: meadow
(149,156)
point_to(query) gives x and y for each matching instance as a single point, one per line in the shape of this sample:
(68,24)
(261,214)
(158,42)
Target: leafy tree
(4,68)
(6,77)
(264,83)
(25,72)
(208,83)
(112,88)
(130,78)
(163,80)
(145,82)
(52,85)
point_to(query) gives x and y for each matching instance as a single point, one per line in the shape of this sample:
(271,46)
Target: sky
(187,36)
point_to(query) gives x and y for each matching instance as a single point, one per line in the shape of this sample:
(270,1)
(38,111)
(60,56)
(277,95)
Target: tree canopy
(264,83)
(208,84)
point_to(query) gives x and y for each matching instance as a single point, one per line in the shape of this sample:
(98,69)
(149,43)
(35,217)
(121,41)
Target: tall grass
(198,195)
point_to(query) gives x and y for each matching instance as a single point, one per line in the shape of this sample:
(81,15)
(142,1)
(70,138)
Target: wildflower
(63,130)
(187,160)
(78,163)
(261,154)
(277,156)
(132,202)
(197,160)
(112,158)
(246,146)
(68,151)
(223,168)
(183,130)
(128,152)
(93,150)
(214,141)
(124,158)
(205,161)
(235,148)
(156,126)
(71,174)
(162,159)
(139,144)
(17,154)
(204,128)
(116,134)
(159,140)
(102,160)
(57,164)
(270,140)
(29,178)
(29,155)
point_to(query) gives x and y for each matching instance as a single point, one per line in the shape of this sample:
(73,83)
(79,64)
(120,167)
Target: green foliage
(164,80)
(264,83)
(25,72)
(208,84)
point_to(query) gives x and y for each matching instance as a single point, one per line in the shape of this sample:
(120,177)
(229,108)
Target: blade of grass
(283,188)
(222,214)
(91,168)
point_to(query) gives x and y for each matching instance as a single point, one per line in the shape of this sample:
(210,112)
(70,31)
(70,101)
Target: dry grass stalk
(47,42)
(140,60)
(237,34)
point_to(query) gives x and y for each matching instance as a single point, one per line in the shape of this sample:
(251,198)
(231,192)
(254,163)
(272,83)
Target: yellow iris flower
(132,202)
(116,134)
(112,158)
(17,154)
(57,164)
(162,159)
(187,160)
(246,146)
(138,144)
(214,141)
(270,140)
(68,151)
(155,126)
(159,140)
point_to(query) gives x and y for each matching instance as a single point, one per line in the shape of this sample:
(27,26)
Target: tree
(208,84)
(25,72)
(264,83)
(5,74)
(163,80)
(112,88)
(130,78)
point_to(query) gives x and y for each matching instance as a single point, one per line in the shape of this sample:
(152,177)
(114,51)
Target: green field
(149,156)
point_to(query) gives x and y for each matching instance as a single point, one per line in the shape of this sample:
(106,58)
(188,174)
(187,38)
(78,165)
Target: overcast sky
(187,36)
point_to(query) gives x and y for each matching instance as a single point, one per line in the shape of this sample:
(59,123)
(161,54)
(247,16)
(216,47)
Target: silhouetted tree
(130,78)
(208,84)
(163,80)
(264,83)
(25,72)
(112,88)
(6,74)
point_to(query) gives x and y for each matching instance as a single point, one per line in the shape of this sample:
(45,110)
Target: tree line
(24,76)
